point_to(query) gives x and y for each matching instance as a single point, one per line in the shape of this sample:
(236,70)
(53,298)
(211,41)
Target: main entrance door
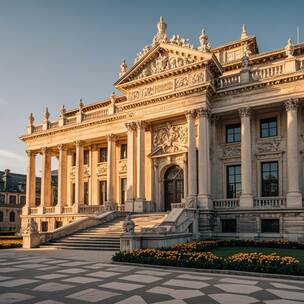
(174,186)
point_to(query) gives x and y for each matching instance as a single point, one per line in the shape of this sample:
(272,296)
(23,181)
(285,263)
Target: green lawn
(227,251)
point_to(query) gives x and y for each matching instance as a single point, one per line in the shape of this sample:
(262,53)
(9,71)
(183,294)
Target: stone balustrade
(47,210)
(228,203)
(91,209)
(228,81)
(269,202)
(267,72)
(33,211)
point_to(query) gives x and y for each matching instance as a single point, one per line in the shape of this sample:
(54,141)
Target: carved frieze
(86,171)
(170,139)
(180,82)
(73,172)
(269,146)
(102,169)
(231,151)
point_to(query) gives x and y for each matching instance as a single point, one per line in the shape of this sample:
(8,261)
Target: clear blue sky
(54,52)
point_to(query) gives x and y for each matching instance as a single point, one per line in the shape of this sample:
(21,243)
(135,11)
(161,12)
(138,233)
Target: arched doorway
(174,186)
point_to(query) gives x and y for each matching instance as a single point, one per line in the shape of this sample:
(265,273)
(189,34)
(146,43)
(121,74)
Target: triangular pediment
(156,62)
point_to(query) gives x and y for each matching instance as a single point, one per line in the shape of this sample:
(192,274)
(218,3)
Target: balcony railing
(34,210)
(67,210)
(269,202)
(228,203)
(49,209)
(84,209)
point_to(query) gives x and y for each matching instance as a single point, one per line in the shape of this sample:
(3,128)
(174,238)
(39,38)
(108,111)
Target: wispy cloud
(11,155)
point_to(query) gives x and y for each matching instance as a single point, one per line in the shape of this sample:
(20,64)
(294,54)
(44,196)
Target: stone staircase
(105,236)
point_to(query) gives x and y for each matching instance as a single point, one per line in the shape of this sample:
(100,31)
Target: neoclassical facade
(217,129)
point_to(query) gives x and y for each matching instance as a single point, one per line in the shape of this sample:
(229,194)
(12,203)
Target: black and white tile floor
(58,277)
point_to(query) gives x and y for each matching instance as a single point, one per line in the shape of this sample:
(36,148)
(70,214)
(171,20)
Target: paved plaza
(47,276)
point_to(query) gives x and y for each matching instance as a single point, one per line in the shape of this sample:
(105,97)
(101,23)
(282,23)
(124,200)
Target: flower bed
(197,255)
(10,243)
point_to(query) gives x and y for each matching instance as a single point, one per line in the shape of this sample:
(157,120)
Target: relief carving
(122,166)
(102,168)
(268,146)
(231,151)
(170,139)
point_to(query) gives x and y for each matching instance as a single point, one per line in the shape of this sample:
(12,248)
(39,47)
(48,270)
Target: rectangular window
(102,192)
(234,184)
(12,199)
(22,199)
(73,193)
(2,199)
(268,127)
(270,226)
(86,193)
(103,155)
(86,157)
(270,178)
(123,151)
(228,225)
(123,190)
(74,159)
(233,133)
(44,226)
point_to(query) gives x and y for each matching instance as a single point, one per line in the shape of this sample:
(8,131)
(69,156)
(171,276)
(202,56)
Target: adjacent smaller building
(12,199)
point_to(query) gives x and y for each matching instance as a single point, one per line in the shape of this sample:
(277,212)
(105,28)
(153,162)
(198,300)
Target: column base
(58,209)
(129,206)
(246,201)
(204,202)
(139,205)
(294,200)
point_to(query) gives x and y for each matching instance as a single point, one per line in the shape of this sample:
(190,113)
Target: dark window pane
(270,225)
(233,133)
(233,181)
(123,151)
(86,157)
(268,127)
(103,155)
(270,180)
(228,225)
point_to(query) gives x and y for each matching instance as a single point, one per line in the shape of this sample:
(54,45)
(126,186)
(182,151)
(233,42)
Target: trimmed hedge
(10,243)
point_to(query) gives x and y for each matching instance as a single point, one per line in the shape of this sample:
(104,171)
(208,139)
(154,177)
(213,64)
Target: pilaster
(30,182)
(62,178)
(110,178)
(78,175)
(45,196)
(294,197)
(246,198)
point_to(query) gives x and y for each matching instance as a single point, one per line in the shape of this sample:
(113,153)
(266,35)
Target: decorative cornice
(291,104)
(245,112)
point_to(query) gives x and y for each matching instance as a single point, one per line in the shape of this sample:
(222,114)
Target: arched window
(1,216)
(12,216)
(2,199)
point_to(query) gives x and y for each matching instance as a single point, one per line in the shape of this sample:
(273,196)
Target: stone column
(30,182)
(62,179)
(246,199)
(46,186)
(192,163)
(129,204)
(294,197)
(78,176)
(110,177)
(203,159)
(90,174)
(158,206)
(140,182)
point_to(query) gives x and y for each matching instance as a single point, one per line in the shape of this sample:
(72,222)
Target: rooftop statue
(161,35)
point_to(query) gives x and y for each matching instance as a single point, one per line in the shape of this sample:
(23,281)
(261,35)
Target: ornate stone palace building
(219,130)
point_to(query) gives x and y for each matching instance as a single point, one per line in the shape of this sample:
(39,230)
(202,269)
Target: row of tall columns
(136,161)
(46,182)
(62,177)
(110,173)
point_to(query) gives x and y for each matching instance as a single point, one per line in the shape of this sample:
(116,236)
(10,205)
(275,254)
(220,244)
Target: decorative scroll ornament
(272,146)
(170,138)
(123,68)
(161,35)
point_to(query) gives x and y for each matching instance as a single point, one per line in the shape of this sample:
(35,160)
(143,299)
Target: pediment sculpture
(170,139)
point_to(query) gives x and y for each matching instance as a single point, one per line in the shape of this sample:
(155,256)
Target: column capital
(111,137)
(190,114)
(141,124)
(203,112)
(44,150)
(131,126)
(61,147)
(78,143)
(30,153)
(245,112)
(291,104)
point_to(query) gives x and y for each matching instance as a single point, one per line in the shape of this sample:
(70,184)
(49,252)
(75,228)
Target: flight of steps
(105,236)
